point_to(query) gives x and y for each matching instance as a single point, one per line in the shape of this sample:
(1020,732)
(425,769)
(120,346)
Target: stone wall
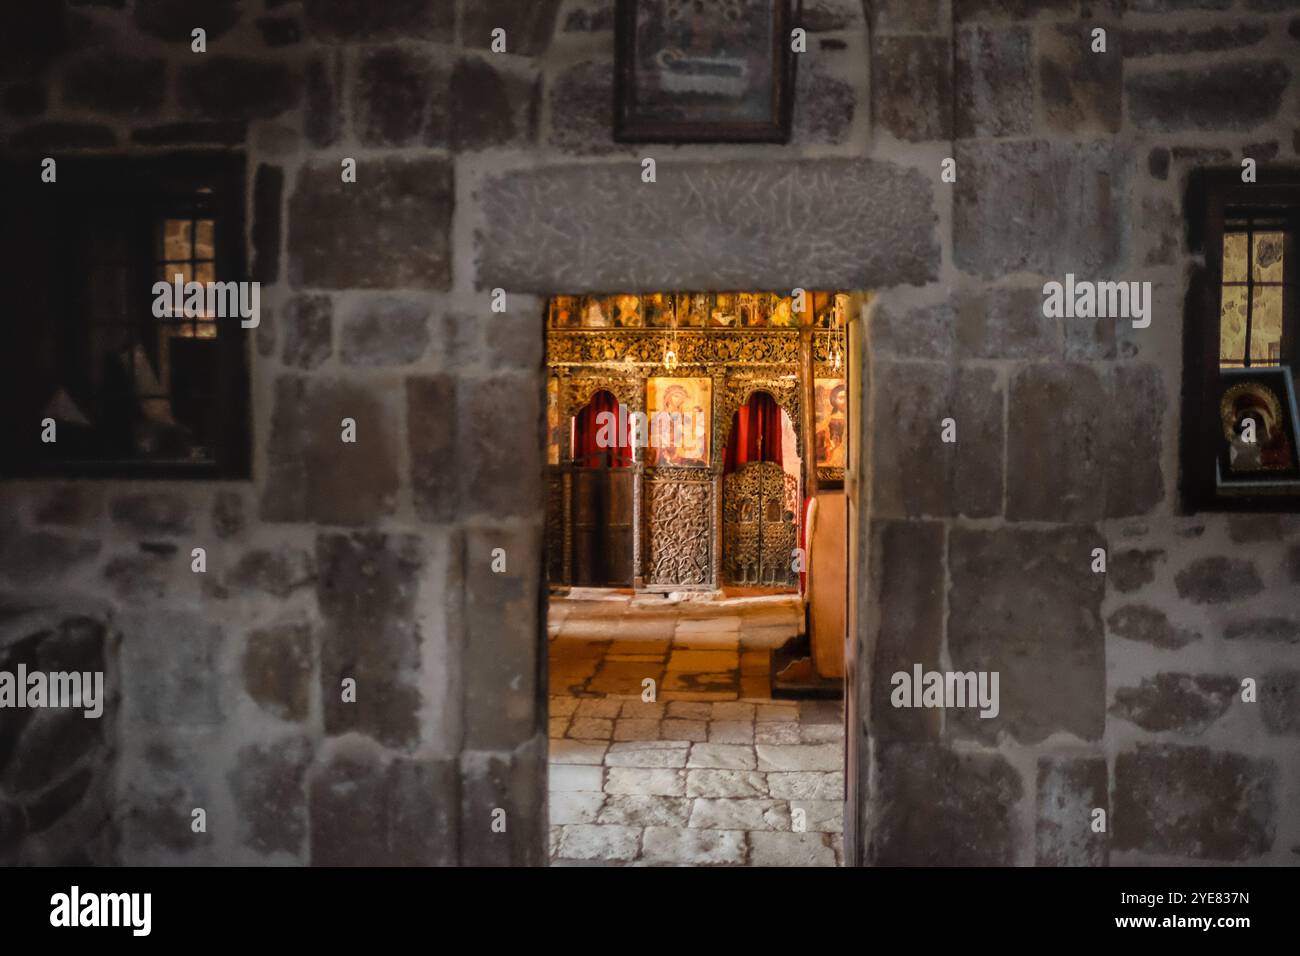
(479,170)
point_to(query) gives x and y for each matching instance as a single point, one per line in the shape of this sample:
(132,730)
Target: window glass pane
(1232,325)
(1268,257)
(1234,257)
(1266,326)
(176,239)
(203,245)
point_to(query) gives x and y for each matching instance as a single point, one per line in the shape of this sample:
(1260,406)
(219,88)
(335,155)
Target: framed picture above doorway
(704,70)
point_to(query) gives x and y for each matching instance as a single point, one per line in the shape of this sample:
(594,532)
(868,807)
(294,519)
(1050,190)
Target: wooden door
(758,526)
(602,527)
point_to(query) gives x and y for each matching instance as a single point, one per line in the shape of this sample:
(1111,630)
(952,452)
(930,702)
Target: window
(133,385)
(1240,429)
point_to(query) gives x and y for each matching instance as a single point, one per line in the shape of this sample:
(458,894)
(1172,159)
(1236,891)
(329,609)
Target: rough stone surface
(268,788)
(491,107)
(994,82)
(911,84)
(115,84)
(306,480)
(1227,96)
(1005,323)
(1080,91)
(402,98)
(1001,224)
(268,188)
(1055,450)
(843,223)
(1279,702)
(341,20)
(384,332)
(1141,42)
(308,337)
(402,814)
(1069,790)
(1187,703)
(1281,629)
(1005,614)
(940,808)
(153,513)
(528,26)
(175,20)
(910,593)
(919,332)
(1194,802)
(507,476)
(168,663)
(431,443)
(400,205)
(367,589)
(1149,625)
(277,669)
(1133,569)
(224,87)
(1218,580)
(918,474)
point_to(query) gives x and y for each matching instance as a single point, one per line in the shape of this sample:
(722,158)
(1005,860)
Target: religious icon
(657,310)
(783,312)
(564,312)
(593,313)
(831,405)
(703,70)
(554,427)
(724,310)
(681,415)
(1258,417)
(625,311)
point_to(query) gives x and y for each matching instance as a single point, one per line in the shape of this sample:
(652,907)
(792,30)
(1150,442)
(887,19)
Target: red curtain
(760,417)
(586,451)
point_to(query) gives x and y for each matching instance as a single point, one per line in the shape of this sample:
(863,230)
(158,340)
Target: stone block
(398,204)
(911,86)
(501,478)
(277,669)
(431,444)
(1280,629)
(41,557)
(1279,701)
(1007,613)
(401,98)
(528,26)
(368,586)
(153,513)
(514,783)
(268,187)
(1134,421)
(964,11)
(910,596)
(365,812)
(790,849)
(308,338)
(994,82)
(1056,439)
(832,223)
(1069,790)
(915,332)
(1080,91)
(823,107)
(903,16)
(170,678)
(384,332)
(1001,224)
(1133,568)
(916,473)
(665,845)
(1005,323)
(227,87)
(1218,580)
(323,113)
(1142,42)
(492,107)
(503,616)
(315,476)
(1185,703)
(352,20)
(1225,96)
(1194,802)
(940,808)
(115,84)
(268,786)
(175,20)
(1149,625)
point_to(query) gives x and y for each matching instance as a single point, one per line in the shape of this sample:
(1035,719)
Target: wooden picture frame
(735,83)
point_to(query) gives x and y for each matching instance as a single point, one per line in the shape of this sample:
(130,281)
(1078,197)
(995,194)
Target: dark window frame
(1215,200)
(142,190)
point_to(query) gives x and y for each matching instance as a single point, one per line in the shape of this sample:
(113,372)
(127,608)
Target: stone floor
(713,772)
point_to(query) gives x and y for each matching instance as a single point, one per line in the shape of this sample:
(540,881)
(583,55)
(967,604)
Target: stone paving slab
(697,847)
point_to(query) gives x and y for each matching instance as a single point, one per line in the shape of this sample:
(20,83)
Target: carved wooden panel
(555,526)
(679,535)
(787,392)
(758,528)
